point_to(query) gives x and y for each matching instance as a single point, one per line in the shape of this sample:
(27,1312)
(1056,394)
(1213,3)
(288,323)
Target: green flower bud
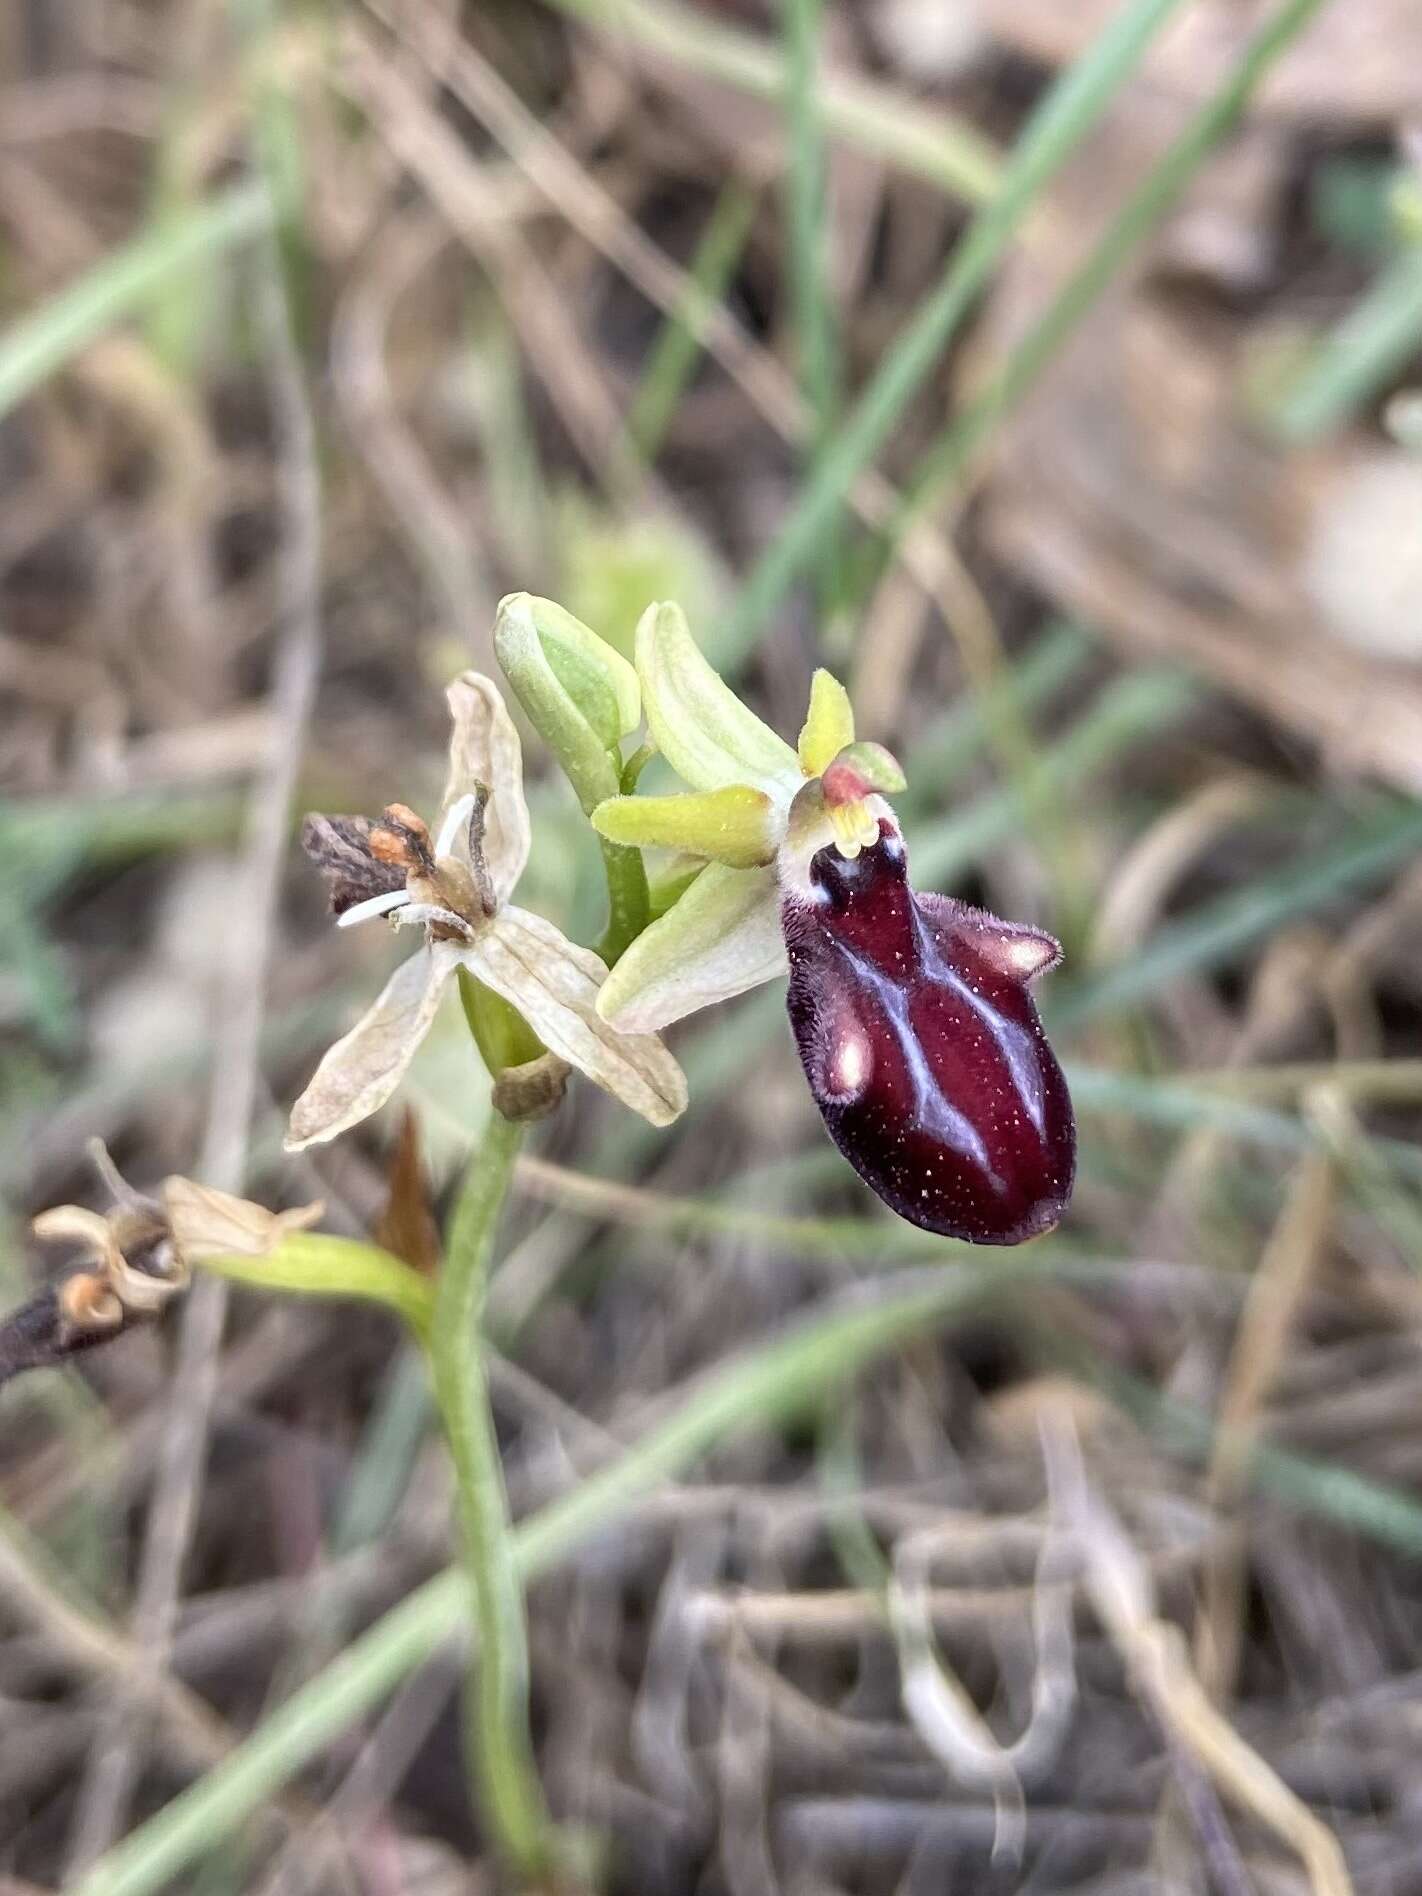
(581,696)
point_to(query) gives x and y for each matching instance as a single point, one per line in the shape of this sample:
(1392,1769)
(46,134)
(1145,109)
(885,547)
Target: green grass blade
(808,249)
(940,756)
(808,256)
(675,353)
(1131,709)
(1372,343)
(947,152)
(1217,930)
(38,344)
(1139,216)
(758,1388)
(1075,103)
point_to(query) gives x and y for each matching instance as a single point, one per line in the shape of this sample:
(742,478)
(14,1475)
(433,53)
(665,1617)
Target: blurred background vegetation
(1048,372)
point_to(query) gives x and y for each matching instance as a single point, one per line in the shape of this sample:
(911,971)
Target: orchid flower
(455,887)
(911,1013)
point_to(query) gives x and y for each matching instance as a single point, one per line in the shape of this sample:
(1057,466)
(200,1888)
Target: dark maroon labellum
(923,1049)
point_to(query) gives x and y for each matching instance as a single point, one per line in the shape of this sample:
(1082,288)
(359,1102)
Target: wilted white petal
(372,905)
(720,938)
(77,1223)
(701,727)
(207,1223)
(454,824)
(554,984)
(361,1072)
(484,749)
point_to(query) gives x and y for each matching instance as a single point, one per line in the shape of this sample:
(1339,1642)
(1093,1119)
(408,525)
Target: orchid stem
(629,907)
(498,1743)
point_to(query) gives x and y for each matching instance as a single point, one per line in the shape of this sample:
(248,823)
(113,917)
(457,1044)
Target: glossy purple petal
(923,1049)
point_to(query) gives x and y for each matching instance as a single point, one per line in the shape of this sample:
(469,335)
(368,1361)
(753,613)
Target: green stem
(498,1744)
(311,1264)
(629,906)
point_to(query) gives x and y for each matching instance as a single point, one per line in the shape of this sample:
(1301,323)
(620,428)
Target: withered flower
(455,886)
(133,1261)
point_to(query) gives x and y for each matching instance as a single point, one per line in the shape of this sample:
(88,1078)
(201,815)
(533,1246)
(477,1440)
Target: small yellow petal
(829,724)
(737,826)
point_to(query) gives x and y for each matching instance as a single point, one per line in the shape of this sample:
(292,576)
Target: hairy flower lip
(923,1049)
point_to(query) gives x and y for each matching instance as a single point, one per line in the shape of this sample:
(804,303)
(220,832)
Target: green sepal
(737,826)
(568,642)
(588,688)
(706,734)
(722,937)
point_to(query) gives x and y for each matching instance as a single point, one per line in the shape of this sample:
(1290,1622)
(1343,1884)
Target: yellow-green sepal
(737,826)
(706,734)
(721,938)
(829,724)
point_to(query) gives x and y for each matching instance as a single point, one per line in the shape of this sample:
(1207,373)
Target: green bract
(756,812)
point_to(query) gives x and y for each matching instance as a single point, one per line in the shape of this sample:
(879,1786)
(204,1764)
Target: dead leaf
(208,1223)
(406,1226)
